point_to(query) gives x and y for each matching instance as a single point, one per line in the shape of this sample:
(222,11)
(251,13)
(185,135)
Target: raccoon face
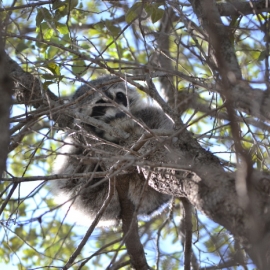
(110,107)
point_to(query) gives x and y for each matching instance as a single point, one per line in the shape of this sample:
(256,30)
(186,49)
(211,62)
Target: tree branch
(236,8)
(5,105)
(130,224)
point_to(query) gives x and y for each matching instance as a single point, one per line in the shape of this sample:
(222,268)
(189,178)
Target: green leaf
(48,77)
(4,256)
(45,13)
(14,243)
(57,4)
(54,68)
(62,28)
(46,31)
(73,4)
(39,17)
(52,52)
(134,12)
(22,210)
(46,84)
(61,12)
(148,9)
(79,67)
(157,14)
(21,47)
(262,55)
(114,30)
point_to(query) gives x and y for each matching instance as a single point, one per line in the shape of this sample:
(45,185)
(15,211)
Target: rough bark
(130,225)
(212,190)
(235,8)
(5,105)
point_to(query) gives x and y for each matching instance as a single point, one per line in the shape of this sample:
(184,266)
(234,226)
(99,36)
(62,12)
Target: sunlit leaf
(62,28)
(54,68)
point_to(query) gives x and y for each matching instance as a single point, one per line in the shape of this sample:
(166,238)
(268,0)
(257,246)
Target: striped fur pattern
(117,105)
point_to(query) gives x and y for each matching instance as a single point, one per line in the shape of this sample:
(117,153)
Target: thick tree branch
(32,5)
(130,224)
(208,187)
(187,230)
(236,8)
(162,57)
(5,105)
(209,17)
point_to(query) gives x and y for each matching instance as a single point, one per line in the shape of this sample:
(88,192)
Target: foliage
(68,42)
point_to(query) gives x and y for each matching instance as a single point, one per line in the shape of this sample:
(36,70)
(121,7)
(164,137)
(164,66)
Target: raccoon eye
(121,98)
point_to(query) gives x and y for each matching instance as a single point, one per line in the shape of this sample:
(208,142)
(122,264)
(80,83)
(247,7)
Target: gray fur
(87,195)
